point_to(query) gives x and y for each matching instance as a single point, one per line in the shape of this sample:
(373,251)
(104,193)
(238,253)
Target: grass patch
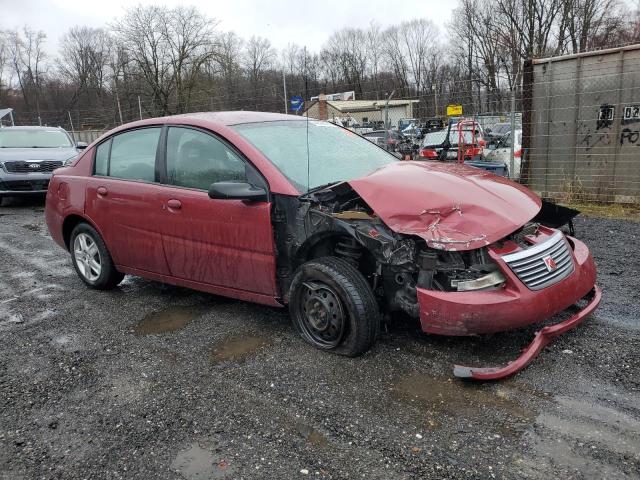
(619,211)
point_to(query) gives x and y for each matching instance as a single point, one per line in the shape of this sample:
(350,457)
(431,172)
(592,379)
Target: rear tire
(333,308)
(92,260)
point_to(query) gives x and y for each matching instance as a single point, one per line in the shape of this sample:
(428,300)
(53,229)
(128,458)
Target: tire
(333,308)
(88,252)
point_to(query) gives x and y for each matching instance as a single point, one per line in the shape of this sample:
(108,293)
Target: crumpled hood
(37,154)
(451,206)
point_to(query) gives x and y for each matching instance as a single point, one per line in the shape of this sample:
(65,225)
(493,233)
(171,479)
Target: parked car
(498,130)
(279,210)
(28,155)
(500,153)
(443,144)
(390,140)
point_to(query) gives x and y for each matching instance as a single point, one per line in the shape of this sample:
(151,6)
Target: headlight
(488,281)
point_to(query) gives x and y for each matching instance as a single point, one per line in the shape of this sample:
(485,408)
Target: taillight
(428,153)
(517,153)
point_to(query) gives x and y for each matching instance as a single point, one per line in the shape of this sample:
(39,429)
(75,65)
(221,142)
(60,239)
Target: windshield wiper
(320,187)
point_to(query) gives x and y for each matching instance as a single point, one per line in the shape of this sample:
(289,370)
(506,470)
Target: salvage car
(284,211)
(28,155)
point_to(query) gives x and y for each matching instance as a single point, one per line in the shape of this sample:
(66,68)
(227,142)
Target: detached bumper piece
(542,338)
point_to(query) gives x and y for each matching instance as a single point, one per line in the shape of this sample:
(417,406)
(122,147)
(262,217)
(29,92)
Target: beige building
(361,110)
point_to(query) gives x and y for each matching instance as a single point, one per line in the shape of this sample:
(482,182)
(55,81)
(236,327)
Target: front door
(226,243)
(122,199)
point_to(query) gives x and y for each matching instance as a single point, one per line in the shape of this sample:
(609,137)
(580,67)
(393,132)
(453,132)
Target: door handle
(174,204)
(102,191)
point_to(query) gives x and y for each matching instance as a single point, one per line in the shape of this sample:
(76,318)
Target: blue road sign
(296,103)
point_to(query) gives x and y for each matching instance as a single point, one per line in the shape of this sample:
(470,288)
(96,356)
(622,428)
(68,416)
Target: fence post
(512,165)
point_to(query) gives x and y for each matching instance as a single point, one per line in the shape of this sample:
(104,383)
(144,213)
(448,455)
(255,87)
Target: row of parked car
(483,147)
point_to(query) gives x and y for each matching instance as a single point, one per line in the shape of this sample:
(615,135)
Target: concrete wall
(579,145)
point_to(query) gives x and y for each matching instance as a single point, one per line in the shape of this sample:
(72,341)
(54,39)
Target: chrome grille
(32,167)
(531,267)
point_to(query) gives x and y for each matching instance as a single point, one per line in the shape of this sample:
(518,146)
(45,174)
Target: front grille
(32,167)
(24,186)
(531,265)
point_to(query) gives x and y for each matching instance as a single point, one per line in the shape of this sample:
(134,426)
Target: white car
(501,153)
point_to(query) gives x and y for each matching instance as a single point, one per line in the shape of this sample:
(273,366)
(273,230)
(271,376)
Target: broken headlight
(486,282)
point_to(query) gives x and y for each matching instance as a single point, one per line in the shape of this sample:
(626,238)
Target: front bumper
(514,306)
(18,184)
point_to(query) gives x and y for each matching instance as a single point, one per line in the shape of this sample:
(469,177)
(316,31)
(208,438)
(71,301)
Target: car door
(226,243)
(122,198)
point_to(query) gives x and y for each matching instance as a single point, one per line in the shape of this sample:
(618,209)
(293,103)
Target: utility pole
(284,86)
(386,120)
(139,107)
(73,134)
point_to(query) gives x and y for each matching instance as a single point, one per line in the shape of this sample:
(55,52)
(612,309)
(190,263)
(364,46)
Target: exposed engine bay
(336,221)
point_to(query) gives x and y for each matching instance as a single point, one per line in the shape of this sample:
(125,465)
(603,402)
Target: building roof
(362,105)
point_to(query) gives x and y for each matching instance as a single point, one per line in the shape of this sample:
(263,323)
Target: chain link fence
(576,123)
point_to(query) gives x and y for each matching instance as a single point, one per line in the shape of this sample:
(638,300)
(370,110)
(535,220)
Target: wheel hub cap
(87,257)
(322,314)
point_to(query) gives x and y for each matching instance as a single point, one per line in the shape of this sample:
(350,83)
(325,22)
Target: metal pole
(284,86)
(119,110)
(73,133)
(12,122)
(513,132)
(140,107)
(386,120)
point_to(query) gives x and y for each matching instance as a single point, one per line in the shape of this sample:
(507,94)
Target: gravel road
(157,382)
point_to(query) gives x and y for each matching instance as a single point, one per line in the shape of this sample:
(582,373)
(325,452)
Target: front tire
(333,308)
(92,260)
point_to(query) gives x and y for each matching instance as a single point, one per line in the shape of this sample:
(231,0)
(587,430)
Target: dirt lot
(152,381)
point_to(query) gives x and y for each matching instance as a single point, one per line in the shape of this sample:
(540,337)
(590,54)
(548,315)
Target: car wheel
(92,260)
(333,308)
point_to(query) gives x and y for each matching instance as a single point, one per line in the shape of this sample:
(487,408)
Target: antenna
(306,96)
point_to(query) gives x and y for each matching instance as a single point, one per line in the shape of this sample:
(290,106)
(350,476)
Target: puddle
(168,320)
(197,463)
(311,435)
(444,395)
(236,348)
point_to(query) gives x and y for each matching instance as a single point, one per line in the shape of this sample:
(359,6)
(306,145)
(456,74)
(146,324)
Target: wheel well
(68,225)
(324,244)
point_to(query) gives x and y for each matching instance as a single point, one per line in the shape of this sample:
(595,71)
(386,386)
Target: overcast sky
(281,21)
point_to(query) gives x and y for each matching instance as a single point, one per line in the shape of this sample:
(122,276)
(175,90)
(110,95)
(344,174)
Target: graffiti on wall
(602,134)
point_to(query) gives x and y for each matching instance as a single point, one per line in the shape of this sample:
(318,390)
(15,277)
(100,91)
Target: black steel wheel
(333,307)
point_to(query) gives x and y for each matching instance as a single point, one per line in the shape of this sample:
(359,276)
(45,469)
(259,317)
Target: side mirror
(81,145)
(237,191)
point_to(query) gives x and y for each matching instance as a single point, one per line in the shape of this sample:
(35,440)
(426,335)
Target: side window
(102,158)
(133,154)
(196,160)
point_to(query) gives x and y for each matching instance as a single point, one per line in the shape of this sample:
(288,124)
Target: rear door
(226,243)
(122,199)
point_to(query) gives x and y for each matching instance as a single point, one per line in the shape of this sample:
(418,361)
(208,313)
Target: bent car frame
(279,210)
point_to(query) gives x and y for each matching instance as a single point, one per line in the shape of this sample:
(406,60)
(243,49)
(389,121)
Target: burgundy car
(280,210)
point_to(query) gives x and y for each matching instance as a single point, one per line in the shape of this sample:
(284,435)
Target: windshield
(335,154)
(10,138)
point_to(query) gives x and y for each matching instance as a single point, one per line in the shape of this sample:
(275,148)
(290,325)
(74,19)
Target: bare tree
(259,57)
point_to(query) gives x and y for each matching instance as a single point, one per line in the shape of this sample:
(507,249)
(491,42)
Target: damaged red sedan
(280,210)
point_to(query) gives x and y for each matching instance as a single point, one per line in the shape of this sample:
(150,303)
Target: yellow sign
(454,110)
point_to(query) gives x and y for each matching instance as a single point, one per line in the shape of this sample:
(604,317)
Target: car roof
(239,116)
(33,127)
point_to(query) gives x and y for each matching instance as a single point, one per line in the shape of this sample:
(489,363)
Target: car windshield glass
(335,154)
(10,138)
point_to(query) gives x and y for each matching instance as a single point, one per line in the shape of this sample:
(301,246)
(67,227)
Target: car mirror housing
(237,191)
(81,145)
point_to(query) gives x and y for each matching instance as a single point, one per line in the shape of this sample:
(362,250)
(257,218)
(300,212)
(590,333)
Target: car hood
(37,154)
(450,206)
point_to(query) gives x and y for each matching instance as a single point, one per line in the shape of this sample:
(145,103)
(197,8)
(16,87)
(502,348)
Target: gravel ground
(155,382)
